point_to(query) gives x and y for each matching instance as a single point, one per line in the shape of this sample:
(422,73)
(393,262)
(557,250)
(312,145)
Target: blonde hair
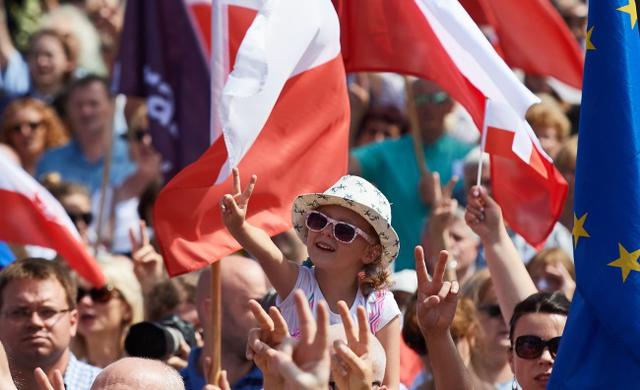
(548,114)
(552,256)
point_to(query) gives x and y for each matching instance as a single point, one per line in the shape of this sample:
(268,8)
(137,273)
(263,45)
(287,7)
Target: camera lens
(151,340)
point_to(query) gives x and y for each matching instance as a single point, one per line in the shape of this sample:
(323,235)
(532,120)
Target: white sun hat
(360,196)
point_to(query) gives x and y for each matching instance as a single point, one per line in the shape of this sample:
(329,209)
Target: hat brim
(307,202)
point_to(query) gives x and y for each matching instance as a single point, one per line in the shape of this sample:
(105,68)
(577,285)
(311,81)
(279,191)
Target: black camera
(159,339)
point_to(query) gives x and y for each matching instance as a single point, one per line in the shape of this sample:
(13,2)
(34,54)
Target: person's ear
(73,320)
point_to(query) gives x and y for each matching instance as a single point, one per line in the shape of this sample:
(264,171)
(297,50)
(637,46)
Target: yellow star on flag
(578,229)
(590,45)
(631,10)
(627,262)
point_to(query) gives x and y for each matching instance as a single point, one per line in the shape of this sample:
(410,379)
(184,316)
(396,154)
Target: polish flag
(438,40)
(532,36)
(32,216)
(282,113)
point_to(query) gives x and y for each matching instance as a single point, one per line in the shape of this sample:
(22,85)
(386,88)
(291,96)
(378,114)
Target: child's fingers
(236,181)
(249,190)
(230,205)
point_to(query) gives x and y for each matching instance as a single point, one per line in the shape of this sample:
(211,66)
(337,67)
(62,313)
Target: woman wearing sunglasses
(30,127)
(348,233)
(105,314)
(536,319)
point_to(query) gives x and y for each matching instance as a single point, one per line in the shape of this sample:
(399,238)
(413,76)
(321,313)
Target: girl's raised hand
(234,206)
(437,298)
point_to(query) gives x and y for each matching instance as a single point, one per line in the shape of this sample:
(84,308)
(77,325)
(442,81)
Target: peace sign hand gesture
(437,298)
(234,206)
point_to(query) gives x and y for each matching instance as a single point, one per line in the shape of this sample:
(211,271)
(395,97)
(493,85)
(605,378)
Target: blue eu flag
(600,347)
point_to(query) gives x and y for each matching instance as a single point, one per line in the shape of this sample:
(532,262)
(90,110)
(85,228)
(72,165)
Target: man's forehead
(20,291)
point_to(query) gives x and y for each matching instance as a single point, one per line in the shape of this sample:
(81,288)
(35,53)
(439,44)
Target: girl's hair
(375,275)
(541,302)
(57,134)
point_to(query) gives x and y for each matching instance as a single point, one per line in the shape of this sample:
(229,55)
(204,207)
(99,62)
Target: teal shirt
(391,166)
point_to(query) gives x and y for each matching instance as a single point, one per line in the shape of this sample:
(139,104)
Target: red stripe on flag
(25,223)
(500,142)
(302,148)
(390,36)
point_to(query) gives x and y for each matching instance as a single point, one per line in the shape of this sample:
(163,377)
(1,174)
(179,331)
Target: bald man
(242,279)
(138,374)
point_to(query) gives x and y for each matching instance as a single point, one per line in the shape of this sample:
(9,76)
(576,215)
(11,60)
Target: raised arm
(281,273)
(6,46)
(436,308)
(511,280)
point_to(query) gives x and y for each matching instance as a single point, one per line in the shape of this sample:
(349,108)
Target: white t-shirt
(380,305)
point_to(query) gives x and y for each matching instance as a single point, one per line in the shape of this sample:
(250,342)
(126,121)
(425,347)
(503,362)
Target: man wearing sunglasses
(391,166)
(38,319)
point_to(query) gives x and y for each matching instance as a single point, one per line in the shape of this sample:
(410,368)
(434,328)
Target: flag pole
(106,173)
(414,124)
(216,321)
(483,143)
(218,70)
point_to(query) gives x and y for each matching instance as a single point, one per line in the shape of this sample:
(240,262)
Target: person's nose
(546,357)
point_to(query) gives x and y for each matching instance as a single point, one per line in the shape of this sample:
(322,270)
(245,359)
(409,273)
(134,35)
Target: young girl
(348,233)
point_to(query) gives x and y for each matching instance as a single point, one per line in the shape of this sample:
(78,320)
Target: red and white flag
(437,40)
(32,216)
(532,36)
(284,115)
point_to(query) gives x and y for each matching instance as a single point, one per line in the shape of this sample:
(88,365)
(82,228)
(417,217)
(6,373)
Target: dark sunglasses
(492,311)
(98,295)
(433,98)
(531,347)
(342,231)
(136,134)
(33,126)
(87,218)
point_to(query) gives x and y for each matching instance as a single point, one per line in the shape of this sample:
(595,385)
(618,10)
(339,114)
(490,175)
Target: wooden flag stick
(414,124)
(216,323)
(106,179)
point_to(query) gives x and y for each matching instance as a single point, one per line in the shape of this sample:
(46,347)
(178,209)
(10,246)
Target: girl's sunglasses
(531,347)
(98,295)
(344,232)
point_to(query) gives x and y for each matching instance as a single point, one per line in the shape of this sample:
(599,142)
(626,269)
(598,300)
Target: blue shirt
(193,380)
(79,375)
(70,162)
(391,166)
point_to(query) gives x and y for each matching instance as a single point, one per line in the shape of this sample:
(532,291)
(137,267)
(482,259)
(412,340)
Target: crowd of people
(444,295)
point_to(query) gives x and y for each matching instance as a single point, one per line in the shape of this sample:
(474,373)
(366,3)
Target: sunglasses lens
(101,295)
(529,347)
(87,218)
(492,311)
(554,344)
(344,232)
(316,221)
